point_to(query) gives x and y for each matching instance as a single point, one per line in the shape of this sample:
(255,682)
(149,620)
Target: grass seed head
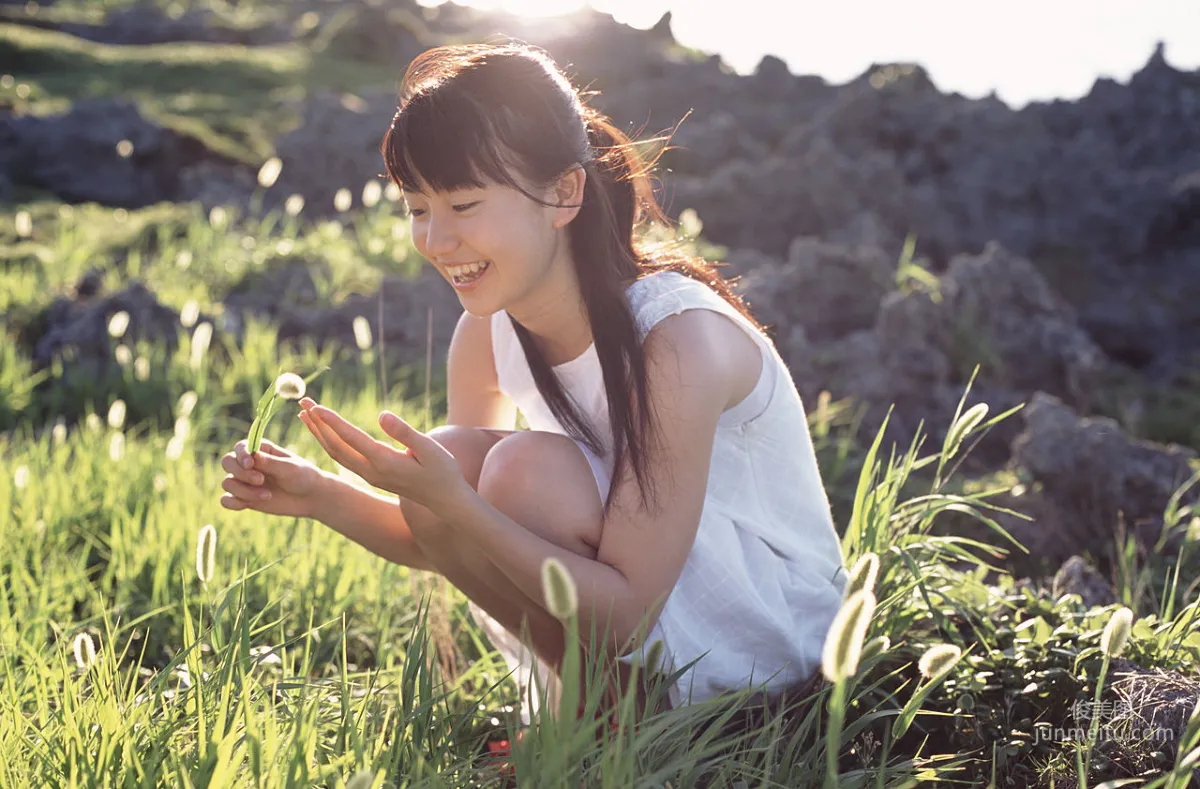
(293,205)
(85,651)
(938,658)
(289,386)
(1116,632)
(21,477)
(864,573)
(342,199)
(116,414)
(876,646)
(362,333)
(371,193)
(562,598)
(189,314)
(59,432)
(24,224)
(363,779)
(206,553)
(268,174)
(844,641)
(116,447)
(201,337)
(118,323)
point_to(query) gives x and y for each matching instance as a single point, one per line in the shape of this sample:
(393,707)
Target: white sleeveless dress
(765,575)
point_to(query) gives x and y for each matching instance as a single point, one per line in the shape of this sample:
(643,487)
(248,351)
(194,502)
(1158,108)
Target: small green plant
(288,386)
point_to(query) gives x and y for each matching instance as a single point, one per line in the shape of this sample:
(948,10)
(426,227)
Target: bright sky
(1022,49)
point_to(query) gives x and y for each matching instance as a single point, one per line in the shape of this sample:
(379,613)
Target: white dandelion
(289,386)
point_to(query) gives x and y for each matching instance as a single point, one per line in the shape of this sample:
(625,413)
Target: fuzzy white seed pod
(201,337)
(289,386)
(116,414)
(21,477)
(141,368)
(24,223)
(189,314)
(85,651)
(392,192)
(218,217)
(293,205)
(562,598)
(92,422)
(863,574)
(844,641)
(183,261)
(363,779)
(206,553)
(59,432)
(876,646)
(116,447)
(268,174)
(371,193)
(118,323)
(342,200)
(362,332)
(124,355)
(1116,632)
(938,659)
(187,401)
(175,447)
(125,149)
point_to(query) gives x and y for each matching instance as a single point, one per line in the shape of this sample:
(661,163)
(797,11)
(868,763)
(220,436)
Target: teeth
(467,270)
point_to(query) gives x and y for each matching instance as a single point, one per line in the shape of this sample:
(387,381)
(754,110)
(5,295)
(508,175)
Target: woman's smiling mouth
(468,274)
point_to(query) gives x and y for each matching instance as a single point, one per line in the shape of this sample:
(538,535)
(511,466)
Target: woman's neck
(555,315)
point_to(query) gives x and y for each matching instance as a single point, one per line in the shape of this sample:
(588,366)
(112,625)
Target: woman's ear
(568,195)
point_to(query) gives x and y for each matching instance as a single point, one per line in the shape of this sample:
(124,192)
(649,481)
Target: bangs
(442,141)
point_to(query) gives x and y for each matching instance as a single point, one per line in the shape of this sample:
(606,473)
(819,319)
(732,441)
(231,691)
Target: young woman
(668,465)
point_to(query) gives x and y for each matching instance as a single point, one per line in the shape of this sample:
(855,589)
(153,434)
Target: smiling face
(492,243)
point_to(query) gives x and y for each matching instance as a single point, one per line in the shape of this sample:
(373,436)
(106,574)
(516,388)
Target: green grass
(305,660)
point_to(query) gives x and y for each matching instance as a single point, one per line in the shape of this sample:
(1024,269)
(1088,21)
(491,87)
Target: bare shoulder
(473,389)
(717,345)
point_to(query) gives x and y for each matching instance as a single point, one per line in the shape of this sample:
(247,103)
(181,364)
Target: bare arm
(371,519)
(376,521)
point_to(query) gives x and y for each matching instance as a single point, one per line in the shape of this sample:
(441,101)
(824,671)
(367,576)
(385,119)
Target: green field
(304,660)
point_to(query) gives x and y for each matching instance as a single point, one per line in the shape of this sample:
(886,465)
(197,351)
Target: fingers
(333,444)
(247,493)
(234,468)
(357,439)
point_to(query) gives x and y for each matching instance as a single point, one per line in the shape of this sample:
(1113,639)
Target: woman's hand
(424,471)
(271,480)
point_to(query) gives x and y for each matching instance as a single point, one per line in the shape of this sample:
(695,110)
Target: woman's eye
(416,212)
(465,206)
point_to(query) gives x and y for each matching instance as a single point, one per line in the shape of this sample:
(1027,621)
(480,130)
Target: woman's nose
(440,238)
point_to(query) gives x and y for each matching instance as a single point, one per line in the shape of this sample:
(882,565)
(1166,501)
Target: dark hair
(466,113)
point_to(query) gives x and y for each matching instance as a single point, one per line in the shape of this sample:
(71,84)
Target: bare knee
(543,482)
